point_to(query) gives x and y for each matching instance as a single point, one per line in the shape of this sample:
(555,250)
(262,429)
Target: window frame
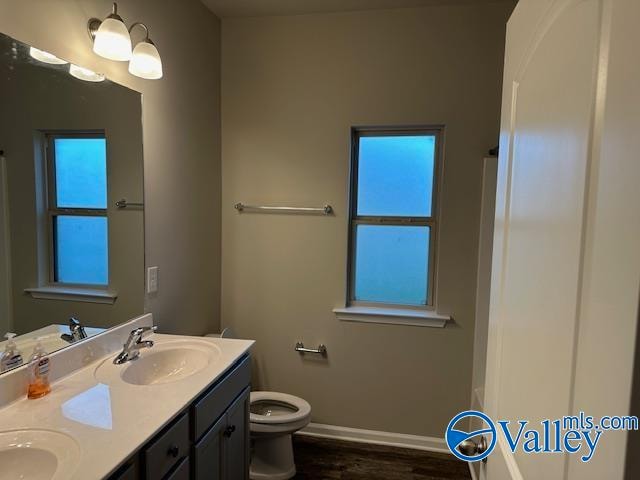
(431,221)
(52,209)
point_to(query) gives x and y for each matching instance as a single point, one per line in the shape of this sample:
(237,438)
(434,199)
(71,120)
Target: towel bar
(321,350)
(326,210)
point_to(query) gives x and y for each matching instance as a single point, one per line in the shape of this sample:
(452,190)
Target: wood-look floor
(319,459)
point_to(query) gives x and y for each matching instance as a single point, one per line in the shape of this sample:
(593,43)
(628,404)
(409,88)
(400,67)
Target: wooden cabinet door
(236,446)
(208,455)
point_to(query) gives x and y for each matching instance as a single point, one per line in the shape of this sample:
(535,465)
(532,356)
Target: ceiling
(253,8)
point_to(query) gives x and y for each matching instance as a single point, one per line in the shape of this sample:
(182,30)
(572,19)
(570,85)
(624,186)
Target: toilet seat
(299,408)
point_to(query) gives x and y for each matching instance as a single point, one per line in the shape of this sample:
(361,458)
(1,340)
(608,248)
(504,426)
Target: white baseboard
(431,444)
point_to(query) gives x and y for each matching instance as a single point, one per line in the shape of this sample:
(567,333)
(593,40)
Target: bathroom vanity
(178,411)
(208,440)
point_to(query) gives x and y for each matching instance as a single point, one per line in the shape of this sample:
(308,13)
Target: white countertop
(111,420)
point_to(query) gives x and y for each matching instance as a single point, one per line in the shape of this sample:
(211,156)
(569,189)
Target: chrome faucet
(76,329)
(133,345)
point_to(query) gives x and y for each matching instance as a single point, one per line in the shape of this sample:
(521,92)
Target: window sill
(392,316)
(73,294)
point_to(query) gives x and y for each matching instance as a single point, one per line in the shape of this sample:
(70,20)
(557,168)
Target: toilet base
(272,458)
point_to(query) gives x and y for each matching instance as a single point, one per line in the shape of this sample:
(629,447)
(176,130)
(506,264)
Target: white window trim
(395,313)
(74,294)
(48,289)
(392,316)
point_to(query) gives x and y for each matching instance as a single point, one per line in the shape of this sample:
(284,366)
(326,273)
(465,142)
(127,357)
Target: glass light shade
(46,57)
(113,40)
(145,61)
(85,74)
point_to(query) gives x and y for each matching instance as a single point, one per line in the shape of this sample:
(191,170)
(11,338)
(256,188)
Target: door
(223,452)
(208,453)
(566,262)
(237,441)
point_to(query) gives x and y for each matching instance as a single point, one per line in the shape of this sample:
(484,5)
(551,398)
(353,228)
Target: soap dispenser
(11,357)
(38,373)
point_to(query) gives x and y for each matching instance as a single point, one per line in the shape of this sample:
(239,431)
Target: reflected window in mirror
(66,249)
(77,208)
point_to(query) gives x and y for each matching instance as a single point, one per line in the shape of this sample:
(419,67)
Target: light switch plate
(152,279)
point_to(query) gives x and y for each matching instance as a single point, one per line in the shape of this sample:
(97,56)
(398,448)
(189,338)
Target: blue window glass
(81,250)
(391,264)
(81,172)
(395,175)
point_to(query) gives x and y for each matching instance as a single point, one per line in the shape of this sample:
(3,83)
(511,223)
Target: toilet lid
(276,407)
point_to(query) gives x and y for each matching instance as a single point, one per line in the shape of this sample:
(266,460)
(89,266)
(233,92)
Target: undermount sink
(37,455)
(164,363)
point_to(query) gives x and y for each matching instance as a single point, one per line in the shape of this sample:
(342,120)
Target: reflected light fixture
(85,74)
(46,57)
(145,61)
(110,37)
(112,40)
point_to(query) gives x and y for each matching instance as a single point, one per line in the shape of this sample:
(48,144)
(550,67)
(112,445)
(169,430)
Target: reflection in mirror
(71,260)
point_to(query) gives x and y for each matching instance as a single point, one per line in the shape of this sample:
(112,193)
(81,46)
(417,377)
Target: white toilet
(274,417)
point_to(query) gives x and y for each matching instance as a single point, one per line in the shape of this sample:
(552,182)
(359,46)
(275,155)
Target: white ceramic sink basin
(163,363)
(37,455)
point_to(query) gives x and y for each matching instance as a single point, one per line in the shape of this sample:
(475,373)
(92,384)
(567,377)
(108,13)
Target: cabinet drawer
(209,408)
(161,455)
(181,472)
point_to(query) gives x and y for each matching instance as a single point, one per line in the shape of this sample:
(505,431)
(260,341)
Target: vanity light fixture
(112,40)
(145,61)
(110,37)
(46,57)
(85,74)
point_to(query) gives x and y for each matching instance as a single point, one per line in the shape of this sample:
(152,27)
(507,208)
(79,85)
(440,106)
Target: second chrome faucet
(133,345)
(76,330)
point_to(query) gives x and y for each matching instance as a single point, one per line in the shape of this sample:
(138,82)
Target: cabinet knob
(229,430)
(174,451)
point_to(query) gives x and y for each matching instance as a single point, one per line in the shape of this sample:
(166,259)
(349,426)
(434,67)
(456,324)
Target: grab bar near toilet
(321,350)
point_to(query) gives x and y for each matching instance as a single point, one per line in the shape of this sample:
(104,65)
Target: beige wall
(291,88)
(181,138)
(37,98)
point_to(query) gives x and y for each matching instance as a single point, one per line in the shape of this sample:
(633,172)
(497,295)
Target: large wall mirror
(71,201)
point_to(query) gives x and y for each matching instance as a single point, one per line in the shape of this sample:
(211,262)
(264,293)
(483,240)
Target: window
(77,208)
(393,216)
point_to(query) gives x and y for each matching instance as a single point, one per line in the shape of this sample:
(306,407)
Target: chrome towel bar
(321,350)
(122,203)
(326,210)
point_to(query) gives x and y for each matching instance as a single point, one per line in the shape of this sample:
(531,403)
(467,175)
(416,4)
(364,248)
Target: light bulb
(46,57)
(145,61)
(112,39)
(85,74)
